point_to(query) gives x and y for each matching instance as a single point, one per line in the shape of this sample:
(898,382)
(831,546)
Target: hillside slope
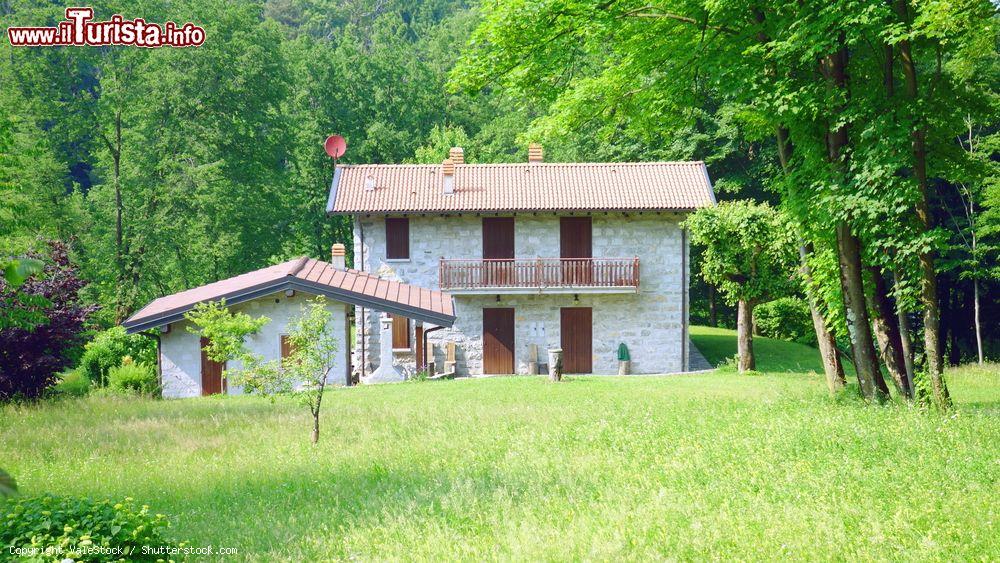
(717,344)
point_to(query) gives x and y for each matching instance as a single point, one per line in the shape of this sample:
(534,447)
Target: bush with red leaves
(40,323)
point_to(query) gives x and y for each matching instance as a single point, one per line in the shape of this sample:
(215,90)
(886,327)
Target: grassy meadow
(715,466)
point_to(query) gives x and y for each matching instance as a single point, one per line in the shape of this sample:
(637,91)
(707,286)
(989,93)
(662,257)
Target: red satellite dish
(335,146)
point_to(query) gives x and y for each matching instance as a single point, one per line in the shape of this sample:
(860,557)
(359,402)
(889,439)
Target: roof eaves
(232,298)
(708,181)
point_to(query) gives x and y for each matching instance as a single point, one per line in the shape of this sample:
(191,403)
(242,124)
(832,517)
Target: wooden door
(576,250)
(498,244)
(212,382)
(498,341)
(576,334)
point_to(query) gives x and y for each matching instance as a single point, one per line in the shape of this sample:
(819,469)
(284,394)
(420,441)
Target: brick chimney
(534,153)
(448,176)
(457,155)
(338,256)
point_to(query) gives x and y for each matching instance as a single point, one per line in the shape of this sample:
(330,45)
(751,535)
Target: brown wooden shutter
(286,346)
(400,332)
(576,250)
(397,238)
(498,238)
(575,237)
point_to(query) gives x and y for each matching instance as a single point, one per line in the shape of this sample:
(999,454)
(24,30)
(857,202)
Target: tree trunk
(315,434)
(713,313)
(827,343)
(744,338)
(928,274)
(975,309)
(904,338)
(121,310)
(886,327)
(832,367)
(834,68)
(858,324)
(954,321)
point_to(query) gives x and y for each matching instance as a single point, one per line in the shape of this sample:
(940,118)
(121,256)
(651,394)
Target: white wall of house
(180,352)
(652,322)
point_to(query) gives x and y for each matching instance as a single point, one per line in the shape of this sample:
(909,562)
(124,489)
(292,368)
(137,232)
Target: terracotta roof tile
(401,188)
(347,285)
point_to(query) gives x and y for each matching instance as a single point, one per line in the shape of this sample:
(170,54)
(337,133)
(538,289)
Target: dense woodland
(871,126)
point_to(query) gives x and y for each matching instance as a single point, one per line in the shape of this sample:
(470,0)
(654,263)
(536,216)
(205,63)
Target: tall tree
(749,254)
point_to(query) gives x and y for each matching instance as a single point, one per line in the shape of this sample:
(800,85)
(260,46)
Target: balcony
(540,275)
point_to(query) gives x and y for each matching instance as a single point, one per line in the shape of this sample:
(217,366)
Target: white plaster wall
(651,323)
(180,354)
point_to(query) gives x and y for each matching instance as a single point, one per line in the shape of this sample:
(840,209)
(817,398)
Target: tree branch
(651,13)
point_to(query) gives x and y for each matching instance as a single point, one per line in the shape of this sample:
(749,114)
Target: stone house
(582,257)
(277,292)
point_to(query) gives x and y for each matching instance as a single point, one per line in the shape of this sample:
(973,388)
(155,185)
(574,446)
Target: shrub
(80,529)
(787,318)
(73,383)
(41,323)
(109,347)
(131,377)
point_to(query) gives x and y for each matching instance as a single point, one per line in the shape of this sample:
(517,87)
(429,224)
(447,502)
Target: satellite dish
(335,146)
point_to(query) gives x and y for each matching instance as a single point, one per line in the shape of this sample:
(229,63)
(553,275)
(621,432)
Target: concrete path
(696,360)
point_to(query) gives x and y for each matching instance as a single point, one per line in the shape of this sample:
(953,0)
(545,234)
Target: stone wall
(180,350)
(652,323)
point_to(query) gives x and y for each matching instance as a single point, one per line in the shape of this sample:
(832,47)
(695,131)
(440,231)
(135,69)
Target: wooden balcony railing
(539,273)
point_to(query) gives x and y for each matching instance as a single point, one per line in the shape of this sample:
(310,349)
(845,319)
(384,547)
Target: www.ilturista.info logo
(79,30)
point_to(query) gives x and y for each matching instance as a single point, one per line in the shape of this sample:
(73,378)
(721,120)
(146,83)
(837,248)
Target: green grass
(719,344)
(715,466)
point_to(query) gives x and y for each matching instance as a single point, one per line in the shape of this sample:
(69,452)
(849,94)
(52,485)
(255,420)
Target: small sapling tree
(225,330)
(313,343)
(750,255)
(303,372)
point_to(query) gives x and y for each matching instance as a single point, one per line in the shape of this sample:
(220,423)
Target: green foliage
(81,529)
(748,250)
(133,378)
(224,329)
(108,348)
(219,166)
(313,352)
(73,383)
(16,270)
(786,318)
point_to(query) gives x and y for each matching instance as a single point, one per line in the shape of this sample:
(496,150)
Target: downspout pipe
(426,332)
(363,321)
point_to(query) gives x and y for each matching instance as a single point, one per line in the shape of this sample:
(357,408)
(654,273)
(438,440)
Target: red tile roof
(308,275)
(634,186)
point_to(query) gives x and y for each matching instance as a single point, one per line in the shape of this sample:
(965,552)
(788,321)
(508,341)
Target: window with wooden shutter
(400,332)
(397,238)
(286,346)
